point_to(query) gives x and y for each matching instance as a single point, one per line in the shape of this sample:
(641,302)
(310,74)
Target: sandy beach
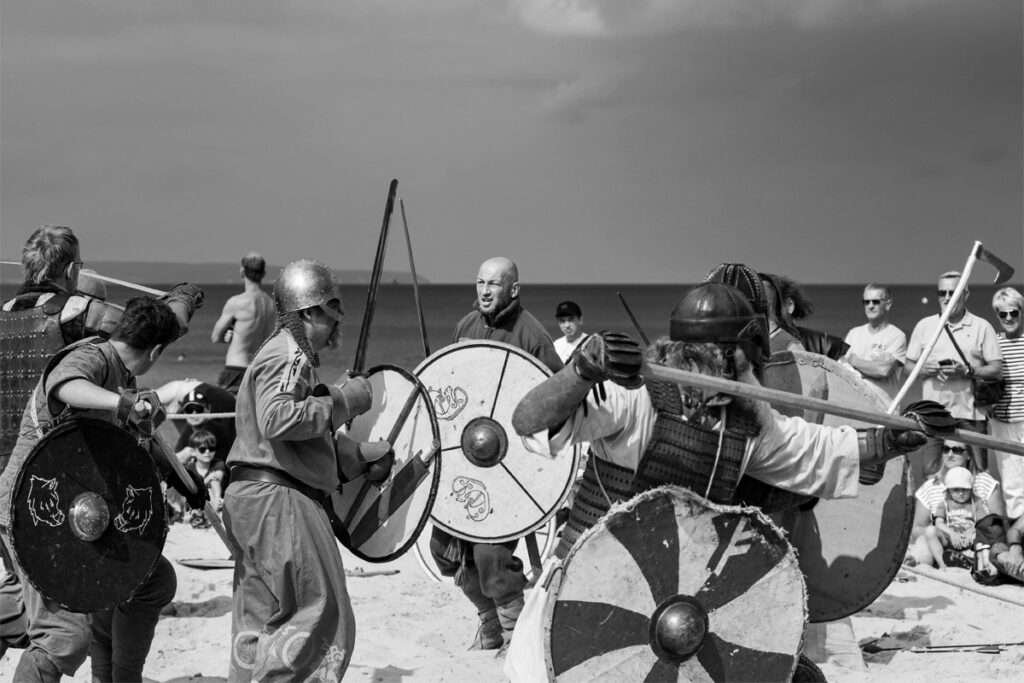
(411,628)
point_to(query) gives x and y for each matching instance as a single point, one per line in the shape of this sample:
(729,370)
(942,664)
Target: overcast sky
(591,141)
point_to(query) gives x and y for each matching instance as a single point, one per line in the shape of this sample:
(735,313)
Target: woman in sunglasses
(1006,417)
(932,493)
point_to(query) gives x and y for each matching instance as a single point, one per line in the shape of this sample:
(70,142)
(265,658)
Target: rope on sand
(981,590)
(205,416)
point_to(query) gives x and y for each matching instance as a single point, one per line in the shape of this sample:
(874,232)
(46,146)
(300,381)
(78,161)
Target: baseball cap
(195,402)
(568,309)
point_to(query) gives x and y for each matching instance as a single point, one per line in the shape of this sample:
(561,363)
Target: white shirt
(871,344)
(789,452)
(564,347)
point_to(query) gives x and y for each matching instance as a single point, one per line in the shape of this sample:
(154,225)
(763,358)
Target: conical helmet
(304,284)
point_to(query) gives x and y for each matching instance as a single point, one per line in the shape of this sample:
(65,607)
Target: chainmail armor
(292,322)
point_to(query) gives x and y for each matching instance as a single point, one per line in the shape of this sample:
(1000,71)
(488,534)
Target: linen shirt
(789,452)
(280,423)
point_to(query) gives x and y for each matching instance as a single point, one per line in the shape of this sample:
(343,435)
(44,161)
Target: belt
(271,475)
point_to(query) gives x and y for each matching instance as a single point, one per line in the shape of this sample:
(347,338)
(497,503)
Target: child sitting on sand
(951,535)
(198,457)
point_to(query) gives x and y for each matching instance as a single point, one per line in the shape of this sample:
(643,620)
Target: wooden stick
(943,319)
(371,295)
(784,398)
(415,282)
(636,323)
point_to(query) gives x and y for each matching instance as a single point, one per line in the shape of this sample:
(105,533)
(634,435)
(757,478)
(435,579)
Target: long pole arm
(784,398)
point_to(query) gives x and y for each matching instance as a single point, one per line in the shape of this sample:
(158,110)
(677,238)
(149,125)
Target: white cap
(959,478)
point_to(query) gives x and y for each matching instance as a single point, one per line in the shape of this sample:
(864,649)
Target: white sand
(413,629)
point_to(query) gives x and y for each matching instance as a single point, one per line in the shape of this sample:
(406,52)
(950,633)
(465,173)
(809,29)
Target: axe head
(1004,271)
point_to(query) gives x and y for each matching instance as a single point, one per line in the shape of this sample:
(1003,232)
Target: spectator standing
(246,320)
(947,378)
(570,321)
(878,349)
(1006,419)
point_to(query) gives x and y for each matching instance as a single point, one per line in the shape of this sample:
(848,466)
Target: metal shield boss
(492,488)
(88,519)
(383,519)
(670,587)
(849,548)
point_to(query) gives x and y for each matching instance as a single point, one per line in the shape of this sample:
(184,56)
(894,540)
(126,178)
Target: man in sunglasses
(878,349)
(968,348)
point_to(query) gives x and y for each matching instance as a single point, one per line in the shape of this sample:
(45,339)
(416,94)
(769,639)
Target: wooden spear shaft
(784,398)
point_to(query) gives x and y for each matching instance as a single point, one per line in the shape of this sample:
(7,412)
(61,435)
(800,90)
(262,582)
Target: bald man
(490,575)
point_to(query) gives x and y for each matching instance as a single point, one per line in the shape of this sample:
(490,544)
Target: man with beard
(644,437)
(490,575)
(292,618)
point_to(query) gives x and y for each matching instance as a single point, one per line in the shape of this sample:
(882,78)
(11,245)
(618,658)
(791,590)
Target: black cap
(568,309)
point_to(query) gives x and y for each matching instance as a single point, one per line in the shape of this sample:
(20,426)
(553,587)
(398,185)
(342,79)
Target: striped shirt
(932,493)
(1010,407)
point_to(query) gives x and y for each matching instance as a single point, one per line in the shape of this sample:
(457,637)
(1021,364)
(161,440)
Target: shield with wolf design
(669,587)
(492,488)
(383,519)
(88,520)
(849,548)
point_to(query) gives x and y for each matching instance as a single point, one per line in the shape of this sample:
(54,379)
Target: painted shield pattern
(88,516)
(382,520)
(669,587)
(492,488)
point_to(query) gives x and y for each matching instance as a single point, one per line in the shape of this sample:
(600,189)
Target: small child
(198,457)
(952,530)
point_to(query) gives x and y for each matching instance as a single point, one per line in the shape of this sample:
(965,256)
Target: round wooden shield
(546,537)
(669,587)
(849,548)
(88,520)
(492,488)
(383,519)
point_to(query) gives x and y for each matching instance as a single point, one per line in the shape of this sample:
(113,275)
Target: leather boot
(489,632)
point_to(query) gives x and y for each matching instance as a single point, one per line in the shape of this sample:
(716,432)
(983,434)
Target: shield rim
(435,477)
(558,574)
(72,424)
(576,455)
(818,613)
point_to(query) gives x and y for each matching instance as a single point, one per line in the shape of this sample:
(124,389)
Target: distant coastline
(156,273)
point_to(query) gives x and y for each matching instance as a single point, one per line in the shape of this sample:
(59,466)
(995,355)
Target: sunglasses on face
(874,302)
(193,408)
(205,449)
(944,293)
(956,450)
(1009,315)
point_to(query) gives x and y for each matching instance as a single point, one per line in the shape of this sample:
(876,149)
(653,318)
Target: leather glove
(610,355)
(190,295)
(196,500)
(934,419)
(141,410)
(378,457)
(903,440)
